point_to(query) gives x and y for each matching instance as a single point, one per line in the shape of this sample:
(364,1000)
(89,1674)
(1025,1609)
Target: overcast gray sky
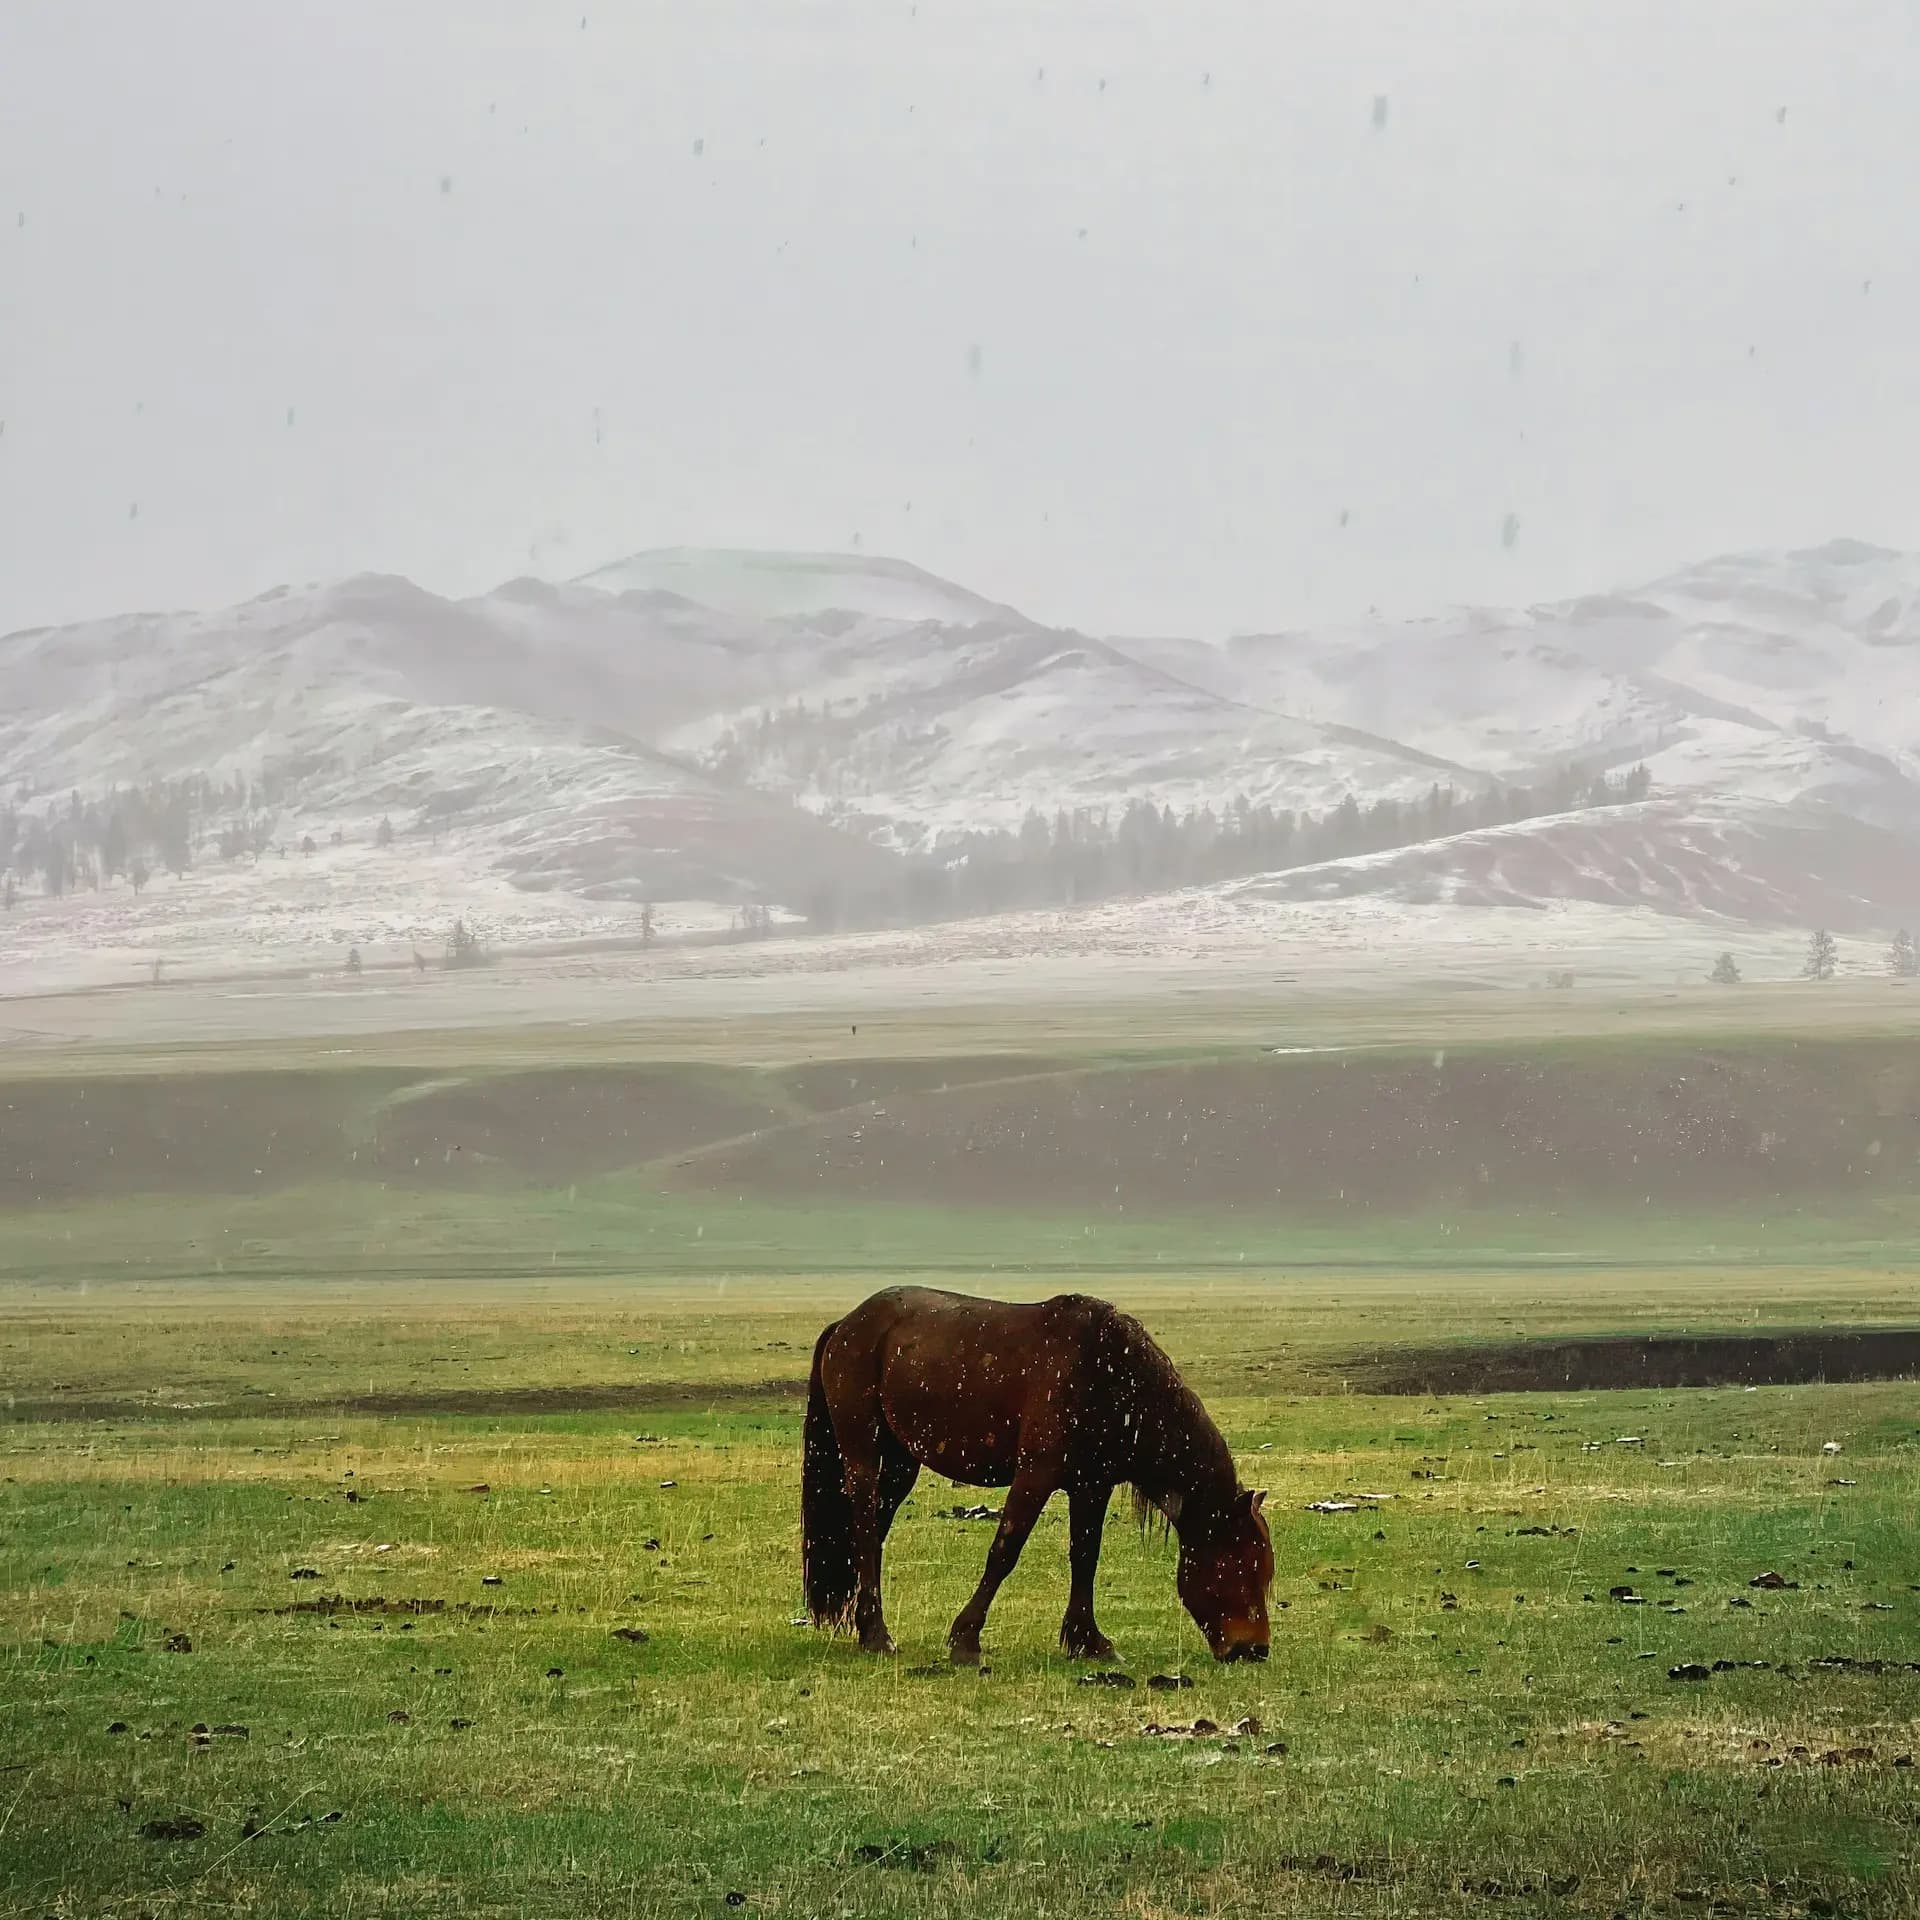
(1110,310)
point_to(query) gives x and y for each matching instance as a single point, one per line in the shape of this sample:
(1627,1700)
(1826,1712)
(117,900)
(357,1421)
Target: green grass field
(265,1650)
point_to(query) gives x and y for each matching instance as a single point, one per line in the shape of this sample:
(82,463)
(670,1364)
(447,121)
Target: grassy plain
(1466,1717)
(265,1650)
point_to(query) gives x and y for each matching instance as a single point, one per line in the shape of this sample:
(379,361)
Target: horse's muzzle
(1245,1650)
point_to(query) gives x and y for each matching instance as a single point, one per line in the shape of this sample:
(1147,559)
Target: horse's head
(1224,1580)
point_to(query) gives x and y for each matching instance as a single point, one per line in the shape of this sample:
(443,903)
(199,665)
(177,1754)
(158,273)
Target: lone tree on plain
(1726,971)
(1822,956)
(464,948)
(1903,959)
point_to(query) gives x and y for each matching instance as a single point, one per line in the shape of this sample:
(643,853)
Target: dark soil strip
(1653,1360)
(638,1396)
(329,1604)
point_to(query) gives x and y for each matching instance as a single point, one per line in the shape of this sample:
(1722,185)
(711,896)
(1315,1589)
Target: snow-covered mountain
(739,727)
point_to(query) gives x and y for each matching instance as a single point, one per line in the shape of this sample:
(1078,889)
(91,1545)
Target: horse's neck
(1184,1465)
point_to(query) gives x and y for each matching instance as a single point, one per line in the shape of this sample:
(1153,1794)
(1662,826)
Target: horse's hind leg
(865,1472)
(893,1481)
(1087,1519)
(898,1471)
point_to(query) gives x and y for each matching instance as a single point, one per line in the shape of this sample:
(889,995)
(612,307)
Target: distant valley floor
(1170,948)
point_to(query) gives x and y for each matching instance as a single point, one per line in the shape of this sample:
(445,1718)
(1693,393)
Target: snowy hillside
(523,739)
(723,729)
(1780,867)
(1819,644)
(926,729)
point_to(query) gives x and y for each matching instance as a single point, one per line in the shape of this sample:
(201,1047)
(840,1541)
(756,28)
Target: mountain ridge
(617,741)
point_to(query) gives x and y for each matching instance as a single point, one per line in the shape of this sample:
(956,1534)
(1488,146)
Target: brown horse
(1070,1393)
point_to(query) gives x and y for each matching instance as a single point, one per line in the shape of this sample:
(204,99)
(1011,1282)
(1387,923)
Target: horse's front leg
(1025,1498)
(1087,1518)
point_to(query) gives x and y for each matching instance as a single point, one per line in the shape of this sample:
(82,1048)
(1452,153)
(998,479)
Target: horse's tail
(826,1513)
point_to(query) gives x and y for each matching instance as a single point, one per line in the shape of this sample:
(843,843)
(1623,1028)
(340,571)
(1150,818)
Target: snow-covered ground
(1620,885)
(305,913)
(1218,941)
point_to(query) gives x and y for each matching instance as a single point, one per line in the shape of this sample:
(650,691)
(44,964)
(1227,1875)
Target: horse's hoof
(877,1643)
(964,1653)
(1099,1648)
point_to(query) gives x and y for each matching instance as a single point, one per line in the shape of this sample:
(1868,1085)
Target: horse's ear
(1253,1500)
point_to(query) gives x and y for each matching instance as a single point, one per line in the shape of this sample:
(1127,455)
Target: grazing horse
(1069,1393)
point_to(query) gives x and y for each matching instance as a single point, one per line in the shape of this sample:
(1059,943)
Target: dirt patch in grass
(1645,1360)
(639,1396)
(329,1604)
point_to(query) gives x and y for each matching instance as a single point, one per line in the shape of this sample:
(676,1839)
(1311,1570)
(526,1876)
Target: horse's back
(958,1379)
(892,1304)
(970,1319)
(869,1327)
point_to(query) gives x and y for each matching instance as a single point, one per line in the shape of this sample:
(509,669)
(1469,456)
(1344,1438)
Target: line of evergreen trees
(1090,854)
(130,833)
(74,844)
(1081,855)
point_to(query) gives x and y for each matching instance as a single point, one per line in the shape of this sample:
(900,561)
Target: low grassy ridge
(1741,1121)
(1643,1149)
(266,1651)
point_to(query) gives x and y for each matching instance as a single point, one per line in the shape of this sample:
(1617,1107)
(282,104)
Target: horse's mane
(1146,1507)
(1163,1399)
